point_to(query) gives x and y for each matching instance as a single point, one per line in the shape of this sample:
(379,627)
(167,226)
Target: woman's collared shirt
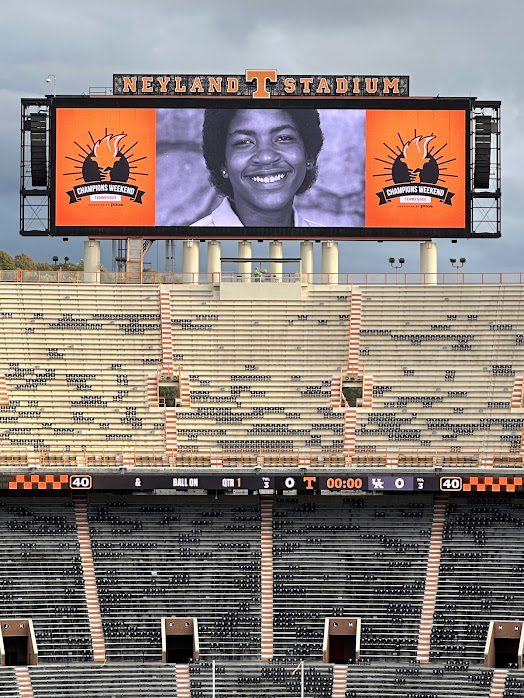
(224,216)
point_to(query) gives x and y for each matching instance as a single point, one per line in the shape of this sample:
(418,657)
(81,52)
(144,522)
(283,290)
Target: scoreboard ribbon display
(303,483)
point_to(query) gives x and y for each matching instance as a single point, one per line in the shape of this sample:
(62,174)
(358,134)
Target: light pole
(395,266)
(458,266)
(52,78)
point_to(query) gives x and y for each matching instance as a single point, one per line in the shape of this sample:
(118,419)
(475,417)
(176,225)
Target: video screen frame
(318,231)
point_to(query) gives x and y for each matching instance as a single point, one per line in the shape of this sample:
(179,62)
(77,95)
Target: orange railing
(314,458)
(61,276)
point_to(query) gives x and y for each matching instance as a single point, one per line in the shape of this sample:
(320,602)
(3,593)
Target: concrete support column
(428,262)
(330,262)
(92,261)
(306,260)
(244,268)
(213,261)
(275,268)
(190,260)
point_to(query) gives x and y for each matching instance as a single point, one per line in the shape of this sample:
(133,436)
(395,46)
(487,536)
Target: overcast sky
(448,47)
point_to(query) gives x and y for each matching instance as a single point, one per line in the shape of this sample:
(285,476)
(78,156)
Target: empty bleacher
(444,362)
(354,557)
(272,679)
(76,360)
(451,680)
(177,557)
(117,681)
(41,575)
(8,683)
(80,365)
(260,371)
(481,574)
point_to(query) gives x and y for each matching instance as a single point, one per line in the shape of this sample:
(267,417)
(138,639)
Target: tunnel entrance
(179,640)
(506,652)
(504,644)
(15,651)
(18,642)
(342,648)
(179,649)
(341,640)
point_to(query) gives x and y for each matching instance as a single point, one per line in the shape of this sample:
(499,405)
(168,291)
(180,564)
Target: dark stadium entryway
(506,653)
(342,648)
(18,643)
(179,649)
(504,644)
(15,651)
(341,640)
(179,640)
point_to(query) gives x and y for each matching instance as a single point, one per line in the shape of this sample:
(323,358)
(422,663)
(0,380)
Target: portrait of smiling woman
(259,160)
(260,167)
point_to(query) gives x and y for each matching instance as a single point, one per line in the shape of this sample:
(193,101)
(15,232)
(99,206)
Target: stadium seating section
(260,372)
(80,367)
(199,557)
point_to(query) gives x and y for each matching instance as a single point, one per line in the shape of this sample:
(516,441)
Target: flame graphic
(105,153)
(415,155)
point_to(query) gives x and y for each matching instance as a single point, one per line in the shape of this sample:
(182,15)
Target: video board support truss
(35,205)
(485,147)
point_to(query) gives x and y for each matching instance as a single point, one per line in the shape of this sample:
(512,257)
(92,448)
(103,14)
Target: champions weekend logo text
(106,168)
(417,172)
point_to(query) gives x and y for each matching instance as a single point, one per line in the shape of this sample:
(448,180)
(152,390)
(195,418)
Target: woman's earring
(224,173)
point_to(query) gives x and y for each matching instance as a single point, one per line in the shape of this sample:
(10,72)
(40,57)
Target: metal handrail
(63,276)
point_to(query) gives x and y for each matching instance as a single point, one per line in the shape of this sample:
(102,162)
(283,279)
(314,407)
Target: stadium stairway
(182,681)
(189,557)
(340,673)
(350,557)
(354,333)
(498,684)
(86,554)
(447,368)
(166,332)
(266,542)
(430,590)
(24,682)
(4,397)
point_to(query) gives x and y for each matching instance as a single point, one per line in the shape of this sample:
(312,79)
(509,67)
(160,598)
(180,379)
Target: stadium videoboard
(304,167)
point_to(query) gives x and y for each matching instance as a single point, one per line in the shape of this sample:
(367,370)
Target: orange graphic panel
(105,167)
(415,169)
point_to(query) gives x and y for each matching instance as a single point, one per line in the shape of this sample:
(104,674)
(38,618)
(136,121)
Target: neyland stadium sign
(261,84)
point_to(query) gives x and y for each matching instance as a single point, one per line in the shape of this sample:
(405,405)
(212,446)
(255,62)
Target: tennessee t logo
(260,77)
(309,480)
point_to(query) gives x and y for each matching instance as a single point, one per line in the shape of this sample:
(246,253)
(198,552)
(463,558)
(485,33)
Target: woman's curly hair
(214,137)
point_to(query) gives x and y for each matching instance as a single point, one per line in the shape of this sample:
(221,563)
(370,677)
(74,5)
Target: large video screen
(344,173)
